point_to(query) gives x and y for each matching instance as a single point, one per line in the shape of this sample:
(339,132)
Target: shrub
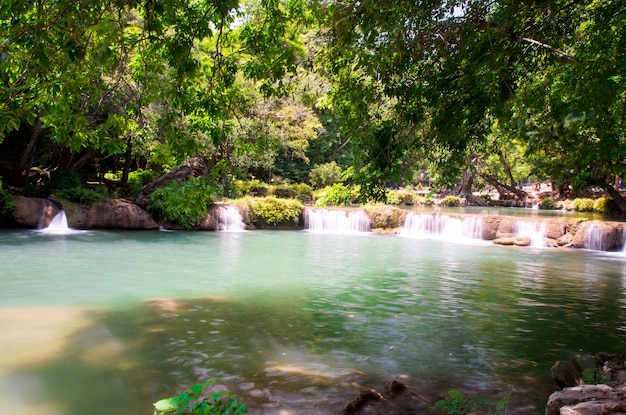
(6,201)
(457,404)
(450,201)
(337,194)
(301,189)
(275,211)
(325,175)
(583,205)
(184,202)
(64,179)
(393,198)
(82,195)
(547,204)
(605,205)
(192,402)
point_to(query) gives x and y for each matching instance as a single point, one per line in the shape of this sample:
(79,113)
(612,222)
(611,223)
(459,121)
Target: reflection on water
(292,322)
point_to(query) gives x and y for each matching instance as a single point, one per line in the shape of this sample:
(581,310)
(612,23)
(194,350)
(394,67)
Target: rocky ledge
(577,398)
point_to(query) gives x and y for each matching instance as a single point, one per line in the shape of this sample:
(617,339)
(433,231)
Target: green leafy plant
(605,205)
(584,205)
(547,203)
(325,175)
(450,201)
(184,202)
(275,211)
(6,201)
(82,195)
(457,404)
(593,376)
(337,194)
(193,402)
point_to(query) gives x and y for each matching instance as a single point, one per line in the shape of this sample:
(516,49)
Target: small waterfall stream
(336,220)
(229,219)
(58,224)
(593,238)
(443,226)
(536,231)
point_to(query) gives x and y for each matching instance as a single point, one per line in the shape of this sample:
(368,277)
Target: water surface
(292,322)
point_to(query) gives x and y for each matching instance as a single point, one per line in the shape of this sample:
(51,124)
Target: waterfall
(443,226)
(536,231)
(58,224)
(593,238)
(336,220)
(229,219)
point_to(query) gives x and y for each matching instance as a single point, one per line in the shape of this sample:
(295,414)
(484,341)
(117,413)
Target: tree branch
(553,49)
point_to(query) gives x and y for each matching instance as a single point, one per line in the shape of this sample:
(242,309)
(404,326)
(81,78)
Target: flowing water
(292,322)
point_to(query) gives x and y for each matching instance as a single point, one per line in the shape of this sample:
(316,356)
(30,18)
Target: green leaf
(165,405)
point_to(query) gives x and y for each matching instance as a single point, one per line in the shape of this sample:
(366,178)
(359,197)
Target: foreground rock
(602,399)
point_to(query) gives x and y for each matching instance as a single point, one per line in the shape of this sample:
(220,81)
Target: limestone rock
(513,240)
(587,400)
(119,214)
(566,373)
(506,228)
(490,226)
(601,236)
(387,217)
(34,212)
(556,228)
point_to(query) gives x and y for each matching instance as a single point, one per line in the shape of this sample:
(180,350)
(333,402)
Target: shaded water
(292,322)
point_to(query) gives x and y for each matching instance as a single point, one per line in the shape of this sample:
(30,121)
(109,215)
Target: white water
(229,219)
(336,220)
(58,225)
(536,231)
(593,238)
(443,226)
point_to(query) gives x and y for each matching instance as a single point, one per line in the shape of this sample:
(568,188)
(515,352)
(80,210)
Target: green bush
(191,402)
(605,205)
(450,201)
(457,404)
(583,205)
(82,195)
(6,201)
(184,202)
(392,197)
(325,175)
(274,211)
(337,194)
(547,204)
(64,179)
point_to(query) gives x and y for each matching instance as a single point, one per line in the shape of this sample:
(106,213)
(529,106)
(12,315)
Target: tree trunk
(22,169)
(494,182)
(127,160)
(464,189)
(195,167)
(617,197)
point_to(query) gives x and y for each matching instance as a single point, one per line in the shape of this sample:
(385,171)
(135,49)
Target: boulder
(490,226)
(506,227)
(513,240)
(600,236)
(566,373)
(385,217)
(556,228)
(587,400)
(119,214)
(34,212)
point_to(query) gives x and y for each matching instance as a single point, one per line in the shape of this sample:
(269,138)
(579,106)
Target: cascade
(443,226)
(593,238)
(336,220)
(536,231)
(58,225)
(229,219)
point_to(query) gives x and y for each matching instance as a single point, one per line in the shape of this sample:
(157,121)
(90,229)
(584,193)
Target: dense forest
(99,98)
